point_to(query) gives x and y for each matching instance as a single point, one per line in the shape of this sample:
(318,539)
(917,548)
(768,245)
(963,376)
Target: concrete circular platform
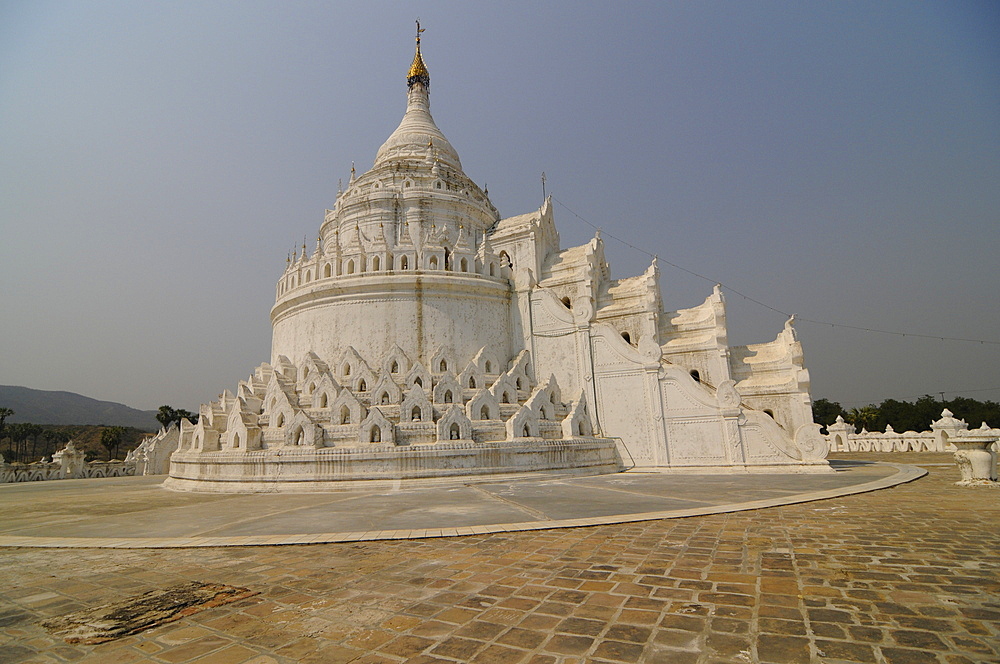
(137,512)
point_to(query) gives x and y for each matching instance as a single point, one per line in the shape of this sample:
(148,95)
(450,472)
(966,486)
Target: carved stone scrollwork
(811,442)
(650,350)
(583,310)
(727,394)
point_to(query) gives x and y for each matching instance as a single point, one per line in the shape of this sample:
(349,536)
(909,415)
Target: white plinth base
(328,469)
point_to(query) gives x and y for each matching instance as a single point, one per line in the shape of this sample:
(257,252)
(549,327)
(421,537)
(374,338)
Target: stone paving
(900,576)
(137,512)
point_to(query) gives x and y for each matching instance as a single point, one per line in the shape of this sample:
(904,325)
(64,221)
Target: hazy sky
(838,160)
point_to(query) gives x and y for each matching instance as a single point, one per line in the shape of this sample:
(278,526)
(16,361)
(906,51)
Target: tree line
(906,415)
(24,442)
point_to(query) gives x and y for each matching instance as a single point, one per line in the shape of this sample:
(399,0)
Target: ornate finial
(352,172)
(418,70)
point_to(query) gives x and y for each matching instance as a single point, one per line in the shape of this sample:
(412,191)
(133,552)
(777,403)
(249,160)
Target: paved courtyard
(901,575)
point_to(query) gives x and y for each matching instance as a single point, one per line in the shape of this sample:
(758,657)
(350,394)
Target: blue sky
(840,161)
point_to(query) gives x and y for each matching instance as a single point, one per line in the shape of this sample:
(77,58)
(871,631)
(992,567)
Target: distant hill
(45,407)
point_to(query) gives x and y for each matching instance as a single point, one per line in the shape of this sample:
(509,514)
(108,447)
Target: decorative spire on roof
(418,70)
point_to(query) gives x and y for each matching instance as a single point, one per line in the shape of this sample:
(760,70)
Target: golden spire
(418,70)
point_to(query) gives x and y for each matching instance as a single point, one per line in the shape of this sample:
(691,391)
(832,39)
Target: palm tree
(864,417)
(18,433)
(4,414)
(110,438)
(34,431)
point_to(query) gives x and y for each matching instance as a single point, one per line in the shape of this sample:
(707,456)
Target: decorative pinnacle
(418,70)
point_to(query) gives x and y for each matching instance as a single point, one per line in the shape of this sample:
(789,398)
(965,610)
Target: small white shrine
(427,336)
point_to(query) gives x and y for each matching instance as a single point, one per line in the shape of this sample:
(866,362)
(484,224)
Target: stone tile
(567,644)
(686,623)
(871,577)
(496,654)
(192,650)
(457,648)
(521,638)
(776,649)
(406,646)
(915,639)
(580,626)
(843,650)
(628,633)
(908,656)
(234,654)
(619,651)
(677,639)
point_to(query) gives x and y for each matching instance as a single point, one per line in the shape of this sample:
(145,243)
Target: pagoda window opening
(327,270)
(362,386)
(489,367)
(526,432)
(323,399)
(447,259)
(695,375)
(455,433)
(580,429)
(566,303)
(415,414)
(484,414)
(418,381)
(395,367)
(300,436)
(403,264)
(472,382)
(376,264)
(280,421)
(236,440)
(434,262)
(376,435)
(464,265)
(350,266)
(769,413)
(493,269)
(384,399)
(444,366)
(627,337)
(447,396)
(345,415)
(347,369)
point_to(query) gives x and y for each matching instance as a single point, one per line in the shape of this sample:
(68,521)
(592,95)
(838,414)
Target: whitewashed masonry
(426,336)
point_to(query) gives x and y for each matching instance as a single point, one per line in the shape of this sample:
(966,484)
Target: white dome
(417,136)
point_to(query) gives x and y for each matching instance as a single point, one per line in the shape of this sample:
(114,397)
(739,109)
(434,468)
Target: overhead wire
(798,318)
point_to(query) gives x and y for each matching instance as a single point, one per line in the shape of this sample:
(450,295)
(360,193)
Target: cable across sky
(798,318)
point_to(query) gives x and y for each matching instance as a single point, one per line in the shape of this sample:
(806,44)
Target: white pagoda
(426,336)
